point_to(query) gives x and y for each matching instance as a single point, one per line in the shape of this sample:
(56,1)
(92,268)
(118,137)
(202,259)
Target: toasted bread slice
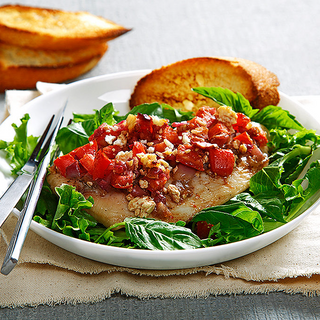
(26,77)
(50,29)
(14,56)
(172,84)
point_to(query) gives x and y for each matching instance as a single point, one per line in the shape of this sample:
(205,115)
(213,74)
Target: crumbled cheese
(124,155)
(147,159)
(109,138)
(131,122)
(143,184)
(168,144)
(227,115)
(158,121)
(185,138)
(174,192)
(150,150)
(121,140)
(141,206)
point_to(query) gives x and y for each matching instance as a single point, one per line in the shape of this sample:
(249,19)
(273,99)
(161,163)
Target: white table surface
(282,35)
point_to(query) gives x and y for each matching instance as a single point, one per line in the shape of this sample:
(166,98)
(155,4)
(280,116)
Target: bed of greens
(275,197)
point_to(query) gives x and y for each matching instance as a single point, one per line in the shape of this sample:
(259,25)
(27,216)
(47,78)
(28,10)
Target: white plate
(89,94)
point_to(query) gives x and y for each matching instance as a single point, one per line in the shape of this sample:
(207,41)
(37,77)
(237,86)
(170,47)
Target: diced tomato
(259,136)
(138,147)
(111,151)
(203,229)
(144,126)
(208,114)
(160,147)
(188,156)
(219,134)
(221,161)
(101,165)
(73,170)
(244,138)
(123,181)
(89,148)
(63,162)
(170,134)
(87,161)
(242,122)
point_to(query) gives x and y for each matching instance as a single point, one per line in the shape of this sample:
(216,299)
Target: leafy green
(270,116)
(20,148)
(83,125)
(277,194)
(160,235)
(160,110)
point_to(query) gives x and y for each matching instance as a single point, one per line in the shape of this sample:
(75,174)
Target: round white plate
(84,96)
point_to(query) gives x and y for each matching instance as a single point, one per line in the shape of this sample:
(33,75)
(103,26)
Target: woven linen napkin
(47,274)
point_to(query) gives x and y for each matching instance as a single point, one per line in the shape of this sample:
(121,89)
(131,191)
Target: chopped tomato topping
(221,161)
(188,156)
(87,161)
(259,135)
(138,147)
(73,170)
(203,229)
(63,162)
(219,134)
(244,138)
(172,135)
(122,181)
(242,122)
(101,165)
(89,148)
(111,151)
(208,114)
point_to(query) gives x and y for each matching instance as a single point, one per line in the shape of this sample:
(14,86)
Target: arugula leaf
(20,148)
(160,235)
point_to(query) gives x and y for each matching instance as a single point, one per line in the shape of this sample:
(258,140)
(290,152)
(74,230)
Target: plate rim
(156,254)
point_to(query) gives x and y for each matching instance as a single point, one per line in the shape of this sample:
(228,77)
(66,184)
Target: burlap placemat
(47,274)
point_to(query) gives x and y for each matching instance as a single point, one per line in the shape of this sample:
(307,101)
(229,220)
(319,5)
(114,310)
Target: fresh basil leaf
(237,221)
(276,117)
(160,235)
(160,110)
(225,97)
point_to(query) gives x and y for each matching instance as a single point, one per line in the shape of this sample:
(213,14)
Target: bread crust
(50,29)
(24,77)
(172,84)
(14,56)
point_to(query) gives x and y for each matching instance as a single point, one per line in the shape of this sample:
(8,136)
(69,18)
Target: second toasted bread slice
(172,84)
(14,56)
(50,29)
(26,77)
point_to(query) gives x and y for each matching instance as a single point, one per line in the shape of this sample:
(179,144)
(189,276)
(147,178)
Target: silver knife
(23,224)
(19,186)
